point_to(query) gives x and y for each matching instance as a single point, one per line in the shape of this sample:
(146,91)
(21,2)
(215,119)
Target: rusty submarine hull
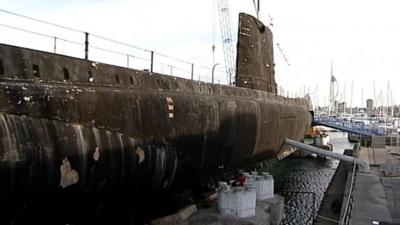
(82,137)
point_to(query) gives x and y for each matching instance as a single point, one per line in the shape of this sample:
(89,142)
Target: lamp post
(212,72)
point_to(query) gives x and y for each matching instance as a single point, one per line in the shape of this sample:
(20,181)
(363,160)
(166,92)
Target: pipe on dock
(363,165)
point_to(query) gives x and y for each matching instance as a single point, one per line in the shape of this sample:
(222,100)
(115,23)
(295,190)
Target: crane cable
(283,54)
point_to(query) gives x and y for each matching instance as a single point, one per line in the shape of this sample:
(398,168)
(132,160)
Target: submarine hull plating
(82,137)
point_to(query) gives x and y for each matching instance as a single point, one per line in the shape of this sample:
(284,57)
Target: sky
(359,37)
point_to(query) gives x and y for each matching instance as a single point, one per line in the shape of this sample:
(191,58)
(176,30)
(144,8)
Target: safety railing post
(192,72)
(127,61)
(130,59)
(86,45)
(55,44)
(151,61)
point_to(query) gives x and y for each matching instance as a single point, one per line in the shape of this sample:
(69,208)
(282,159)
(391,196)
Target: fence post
(191,74)
(86,45)
(127,61)
(55,44)
(151,61)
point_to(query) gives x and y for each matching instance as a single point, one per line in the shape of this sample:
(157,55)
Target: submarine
(80,138)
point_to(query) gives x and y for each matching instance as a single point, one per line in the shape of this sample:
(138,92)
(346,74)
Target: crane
(227,39)
(283,54)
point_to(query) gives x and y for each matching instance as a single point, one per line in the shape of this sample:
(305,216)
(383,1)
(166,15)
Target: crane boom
(227,38)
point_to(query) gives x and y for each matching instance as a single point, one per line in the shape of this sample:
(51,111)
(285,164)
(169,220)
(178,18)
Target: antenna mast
(257,8)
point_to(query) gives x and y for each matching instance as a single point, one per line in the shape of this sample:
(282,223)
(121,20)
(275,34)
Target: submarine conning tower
(255,55)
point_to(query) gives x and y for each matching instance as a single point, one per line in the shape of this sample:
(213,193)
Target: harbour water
(302,181)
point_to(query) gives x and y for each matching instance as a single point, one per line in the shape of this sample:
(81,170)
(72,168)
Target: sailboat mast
(351,99)
(331,92)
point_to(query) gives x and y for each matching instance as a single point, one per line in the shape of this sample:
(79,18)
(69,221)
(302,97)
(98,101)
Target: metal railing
(102,49)
(349,202)
(346,215)
(328,219)
(349,126)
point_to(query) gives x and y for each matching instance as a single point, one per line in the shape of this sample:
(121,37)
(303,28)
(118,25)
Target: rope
(182,70)
(40,34)
(41,21)
(118,42)
(209,68)
(118,53)
(173,58)
(95,36)
(28,31)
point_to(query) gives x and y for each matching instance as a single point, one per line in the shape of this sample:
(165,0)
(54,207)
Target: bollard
(237,201)
(264,186)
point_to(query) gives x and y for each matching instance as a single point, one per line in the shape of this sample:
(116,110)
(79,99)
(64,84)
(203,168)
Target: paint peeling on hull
(51,159)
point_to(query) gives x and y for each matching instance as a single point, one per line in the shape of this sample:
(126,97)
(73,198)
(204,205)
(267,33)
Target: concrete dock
(377,194)
(359,198)
(375,198)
